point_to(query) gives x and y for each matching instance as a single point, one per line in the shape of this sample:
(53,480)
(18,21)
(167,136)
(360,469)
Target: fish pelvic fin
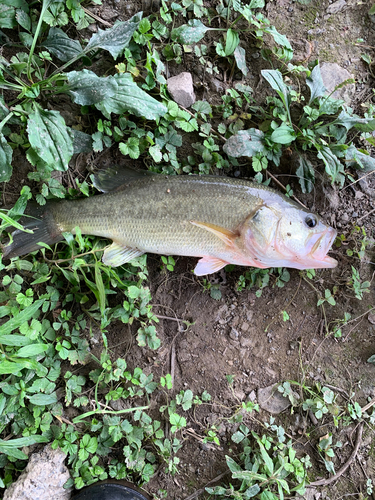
(226,235)
(117,254)
(38,219)
(209,265)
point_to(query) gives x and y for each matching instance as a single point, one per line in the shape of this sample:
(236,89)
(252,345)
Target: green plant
(269,466)
(260,278)
(322,128)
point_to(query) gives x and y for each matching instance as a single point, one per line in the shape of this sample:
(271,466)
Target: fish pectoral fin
(224,234)
(117,254)
(209,265)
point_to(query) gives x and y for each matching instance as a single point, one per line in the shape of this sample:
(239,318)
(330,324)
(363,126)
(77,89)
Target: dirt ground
(204,340)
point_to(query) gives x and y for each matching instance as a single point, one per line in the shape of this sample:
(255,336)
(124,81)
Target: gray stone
(333,75)
(181,89)
(271,400)
(43,478)
(336,7)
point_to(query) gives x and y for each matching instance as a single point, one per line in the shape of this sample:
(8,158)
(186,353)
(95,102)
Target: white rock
(43,478)
(181,89)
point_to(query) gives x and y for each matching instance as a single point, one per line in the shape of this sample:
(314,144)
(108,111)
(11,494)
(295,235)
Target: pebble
(234,334)
(336,7)
(354,214)
(181,89)
(345,217)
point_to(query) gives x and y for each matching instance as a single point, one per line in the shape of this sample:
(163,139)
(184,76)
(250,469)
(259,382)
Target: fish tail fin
(38,219)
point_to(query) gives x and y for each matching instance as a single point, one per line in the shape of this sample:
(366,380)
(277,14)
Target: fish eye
(311,221)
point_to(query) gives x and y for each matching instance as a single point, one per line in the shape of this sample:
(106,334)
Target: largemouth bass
(219,219)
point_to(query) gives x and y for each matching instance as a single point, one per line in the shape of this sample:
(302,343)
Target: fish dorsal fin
(224,234)
(117,178)
(117,254)
(209,265)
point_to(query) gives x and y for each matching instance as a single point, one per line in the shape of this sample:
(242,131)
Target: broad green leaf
(279,38)
(87,88)
(283,134)
(13,452)
(306,174)
(9,367)
(43,399)
(7,16)
(333,167)
(6,153)
(15,340)
(189,33)
(21,442)
(245,143)
(372,10)
(23,19)
(330,106)
(360,160)
(349,121)
(232,465)
(20,318)
(50,138)
(129,97)
(252,491)
(315,83)
(31,350)
(202,107)
(275,79)
(115,39)
(82,143)
(61,46)
(240,58)
(232,41)
(268,463)
(256,4)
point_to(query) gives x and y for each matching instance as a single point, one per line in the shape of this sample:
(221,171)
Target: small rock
(245,326)
(43,478)
(234,334)
(271,400)
(371,318)
(336,7)
(240,395)
(181,89)
(363,182)
(107,13)
(345,217)
(217,85)
(354,214)
(333,75)
(252,396)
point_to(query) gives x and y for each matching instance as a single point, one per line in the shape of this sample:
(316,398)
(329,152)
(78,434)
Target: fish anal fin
(209,265)
(118,254)
(226,235)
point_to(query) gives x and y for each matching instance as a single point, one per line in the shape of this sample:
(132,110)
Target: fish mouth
(320,249)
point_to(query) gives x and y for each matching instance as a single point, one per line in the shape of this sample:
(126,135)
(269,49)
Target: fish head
(280,235)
